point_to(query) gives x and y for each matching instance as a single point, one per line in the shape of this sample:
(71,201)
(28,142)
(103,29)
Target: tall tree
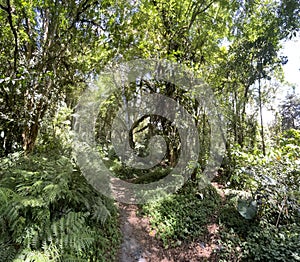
(47,48)
(251,58)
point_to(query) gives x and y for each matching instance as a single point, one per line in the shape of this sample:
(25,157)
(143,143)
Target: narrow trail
(139,243)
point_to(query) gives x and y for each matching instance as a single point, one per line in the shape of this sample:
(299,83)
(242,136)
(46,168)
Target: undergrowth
(48,212)
(259,219)
(183,216)
(266,225)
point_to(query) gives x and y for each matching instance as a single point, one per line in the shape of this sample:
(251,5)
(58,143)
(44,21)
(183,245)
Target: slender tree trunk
(261,118)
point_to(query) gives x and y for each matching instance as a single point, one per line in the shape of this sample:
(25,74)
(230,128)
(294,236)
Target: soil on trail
(140,244)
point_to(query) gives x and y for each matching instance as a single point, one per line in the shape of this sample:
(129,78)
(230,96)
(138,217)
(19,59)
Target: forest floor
(140,244)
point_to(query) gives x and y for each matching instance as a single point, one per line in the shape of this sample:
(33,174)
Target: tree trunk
(261,118)
(29,137)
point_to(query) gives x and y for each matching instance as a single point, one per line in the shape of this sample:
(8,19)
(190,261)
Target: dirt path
(139,243)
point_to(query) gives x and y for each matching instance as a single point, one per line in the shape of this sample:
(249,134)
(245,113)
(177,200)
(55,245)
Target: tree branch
(197,12)
(4,8)
(8,9)
(81,9)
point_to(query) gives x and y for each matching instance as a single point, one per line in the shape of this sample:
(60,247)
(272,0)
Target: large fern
(48,212)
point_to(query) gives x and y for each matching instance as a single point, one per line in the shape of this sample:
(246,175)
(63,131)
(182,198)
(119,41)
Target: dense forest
(57,58)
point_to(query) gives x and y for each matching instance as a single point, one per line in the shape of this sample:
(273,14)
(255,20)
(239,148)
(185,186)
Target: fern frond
(71,232)
(49,212)
(7,252)
(100,211)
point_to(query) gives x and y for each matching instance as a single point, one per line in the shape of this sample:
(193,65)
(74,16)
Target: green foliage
(290,141)
(261,219)
(233,221)
(153,175)
(272,181)
(263,242)
(269,243)
(184,215)
(48,49)
(50,213)
(290,112)
(247,209)
(139,176)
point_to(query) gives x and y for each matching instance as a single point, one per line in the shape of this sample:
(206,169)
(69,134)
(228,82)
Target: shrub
(48,212)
